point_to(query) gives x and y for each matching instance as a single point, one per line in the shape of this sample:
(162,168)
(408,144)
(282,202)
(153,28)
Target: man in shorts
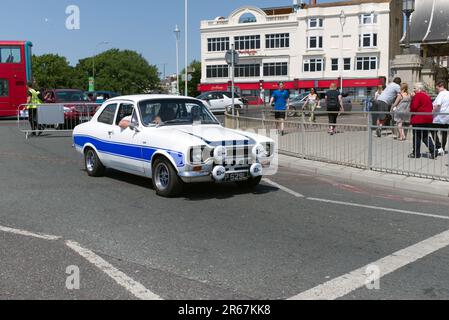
(280,98)
(385,102)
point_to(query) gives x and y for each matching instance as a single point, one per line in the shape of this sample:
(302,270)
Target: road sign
(189,78)
(228,57)
(91,84)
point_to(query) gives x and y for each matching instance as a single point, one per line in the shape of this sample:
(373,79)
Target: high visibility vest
(34,99)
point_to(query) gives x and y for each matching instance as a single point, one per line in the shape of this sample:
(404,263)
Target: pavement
(301,234)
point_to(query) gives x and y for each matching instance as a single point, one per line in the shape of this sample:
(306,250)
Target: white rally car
(172,140)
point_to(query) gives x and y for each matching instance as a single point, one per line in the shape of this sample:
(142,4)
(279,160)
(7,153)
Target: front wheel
(291,112)
(93,165)
(250,183)
(165,179)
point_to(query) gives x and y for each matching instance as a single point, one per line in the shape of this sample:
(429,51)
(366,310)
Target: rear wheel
(93,165)
(165,179)
(291,112)
(250,183)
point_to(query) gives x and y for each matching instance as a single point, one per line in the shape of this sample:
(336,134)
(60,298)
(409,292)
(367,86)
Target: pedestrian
(441,119)
(401,111)
(280,98)
(421,103)
(379,91)
(385,102)
(312,103)
(33,103)
(334,103)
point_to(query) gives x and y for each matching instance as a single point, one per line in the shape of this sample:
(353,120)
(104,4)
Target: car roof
(141,97)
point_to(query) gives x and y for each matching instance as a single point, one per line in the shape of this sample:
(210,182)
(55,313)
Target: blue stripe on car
(130,151)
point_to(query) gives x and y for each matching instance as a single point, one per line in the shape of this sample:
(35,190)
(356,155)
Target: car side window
(219,96)
(125,110)
(108,114)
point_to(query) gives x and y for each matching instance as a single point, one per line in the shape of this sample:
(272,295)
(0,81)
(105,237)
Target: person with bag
(334,102)
(401,111)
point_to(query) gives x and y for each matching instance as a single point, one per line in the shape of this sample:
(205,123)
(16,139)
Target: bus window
(10,55)
(4,90)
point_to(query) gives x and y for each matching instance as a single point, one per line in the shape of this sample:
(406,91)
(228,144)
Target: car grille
(238,155)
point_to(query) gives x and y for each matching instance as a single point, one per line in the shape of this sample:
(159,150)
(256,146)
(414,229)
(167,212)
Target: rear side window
(4,88)
(108,114)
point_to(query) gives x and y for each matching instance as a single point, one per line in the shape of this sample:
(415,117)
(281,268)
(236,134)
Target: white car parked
(221,101)
(173,140)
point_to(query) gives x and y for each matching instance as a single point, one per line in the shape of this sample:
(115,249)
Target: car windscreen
(175,112)
(71,96)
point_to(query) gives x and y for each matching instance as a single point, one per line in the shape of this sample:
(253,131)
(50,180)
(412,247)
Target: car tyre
(291,112)
(93,165)
(251,183)
(166,181)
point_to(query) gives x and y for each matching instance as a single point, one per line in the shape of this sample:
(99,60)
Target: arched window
(247,18)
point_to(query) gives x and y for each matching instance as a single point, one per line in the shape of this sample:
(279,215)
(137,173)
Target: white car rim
(90,160)
(162,176)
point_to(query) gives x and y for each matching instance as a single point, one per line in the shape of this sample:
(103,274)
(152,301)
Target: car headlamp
(200,154)
(259,151)
(220,154)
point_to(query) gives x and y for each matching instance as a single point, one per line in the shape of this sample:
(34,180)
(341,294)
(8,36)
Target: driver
(126,121)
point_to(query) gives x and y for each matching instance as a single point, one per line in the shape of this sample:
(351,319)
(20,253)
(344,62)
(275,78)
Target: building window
(366,63)
(247,70)
(315,23)
(315,42)
(217,71)
(313,65)
(280,40)
(347,64)
(368,18)
(247,18)
(218,44)
(334,64)
(275,69)
(247,42)
(368,40)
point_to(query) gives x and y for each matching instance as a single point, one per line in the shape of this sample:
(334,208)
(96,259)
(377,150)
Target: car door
(218,102)
(127,143)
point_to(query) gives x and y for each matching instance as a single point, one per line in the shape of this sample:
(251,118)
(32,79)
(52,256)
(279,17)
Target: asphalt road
(289,236)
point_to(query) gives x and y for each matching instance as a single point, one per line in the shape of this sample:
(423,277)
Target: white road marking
(276,185)
(349,204)
(29,234)
(357,279)
(135,288)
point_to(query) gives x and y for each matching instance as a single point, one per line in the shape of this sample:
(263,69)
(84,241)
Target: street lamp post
(342,64)
(93,59)
(408,7)
(186,48)
(178,37)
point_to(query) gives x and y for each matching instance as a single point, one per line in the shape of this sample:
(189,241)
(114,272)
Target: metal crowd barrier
(354,144)
(53,118)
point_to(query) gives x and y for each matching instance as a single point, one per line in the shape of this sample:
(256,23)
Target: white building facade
(313,46)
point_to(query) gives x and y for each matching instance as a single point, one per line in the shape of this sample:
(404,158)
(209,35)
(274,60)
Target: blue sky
(142,25)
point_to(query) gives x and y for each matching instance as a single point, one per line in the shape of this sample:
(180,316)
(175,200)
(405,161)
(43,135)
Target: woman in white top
(312,103)
(401,110)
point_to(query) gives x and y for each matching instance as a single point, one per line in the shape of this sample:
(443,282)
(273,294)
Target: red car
(77,106)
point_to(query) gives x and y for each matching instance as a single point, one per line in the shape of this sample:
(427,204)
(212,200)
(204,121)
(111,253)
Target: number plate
(234,177)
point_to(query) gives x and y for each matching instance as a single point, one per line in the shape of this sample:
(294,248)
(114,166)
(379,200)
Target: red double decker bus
(15,72)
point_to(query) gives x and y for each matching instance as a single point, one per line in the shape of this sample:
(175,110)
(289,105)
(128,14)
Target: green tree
(192,85)
(125,72)
(52,71)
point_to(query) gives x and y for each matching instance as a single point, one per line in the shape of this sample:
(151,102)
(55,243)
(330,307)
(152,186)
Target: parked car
(220,101)
(77,107)
(101,96)
(173,140)
(296,104)
(254,100)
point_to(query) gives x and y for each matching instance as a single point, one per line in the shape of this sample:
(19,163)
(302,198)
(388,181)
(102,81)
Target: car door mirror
(134,126)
